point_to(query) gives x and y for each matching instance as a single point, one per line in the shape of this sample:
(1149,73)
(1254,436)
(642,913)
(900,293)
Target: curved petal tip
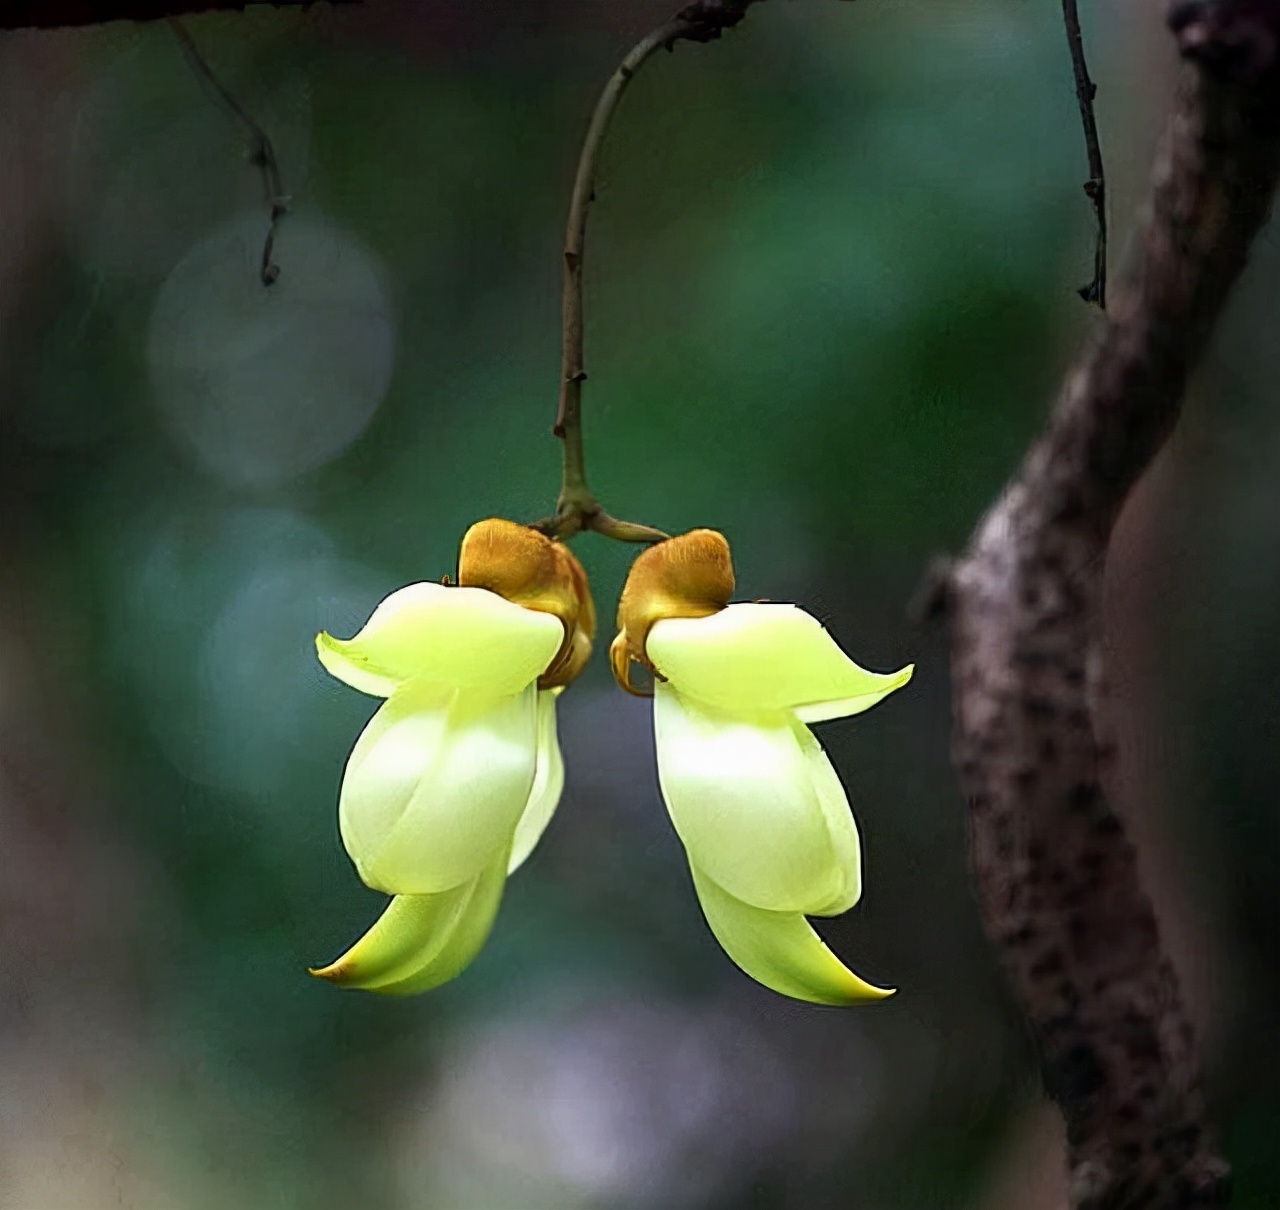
(877,686)
(343,660)
(422,941)
(336,972)
(781,950)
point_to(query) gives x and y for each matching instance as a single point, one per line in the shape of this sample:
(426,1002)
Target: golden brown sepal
(689,576)
(529,569)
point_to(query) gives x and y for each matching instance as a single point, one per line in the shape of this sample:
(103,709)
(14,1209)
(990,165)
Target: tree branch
(50,14)
(1055,872)
(1096,186)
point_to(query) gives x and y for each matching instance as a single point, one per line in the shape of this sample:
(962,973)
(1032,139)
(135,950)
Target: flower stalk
(577,508)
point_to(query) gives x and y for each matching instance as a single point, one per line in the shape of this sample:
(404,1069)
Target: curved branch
(1056,874)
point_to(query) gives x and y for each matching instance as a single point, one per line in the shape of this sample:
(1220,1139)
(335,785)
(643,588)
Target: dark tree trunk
(1055,871)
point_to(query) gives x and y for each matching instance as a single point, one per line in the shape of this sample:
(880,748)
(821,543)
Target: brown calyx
(529,569)
(689,576)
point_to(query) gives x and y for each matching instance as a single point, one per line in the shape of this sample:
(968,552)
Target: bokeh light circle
(263,384)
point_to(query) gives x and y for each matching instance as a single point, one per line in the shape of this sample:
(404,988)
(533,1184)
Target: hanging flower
(451,784)
(761,812)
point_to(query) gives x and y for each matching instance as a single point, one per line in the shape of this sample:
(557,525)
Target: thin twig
(1096,186)
(261,153)
(577,508)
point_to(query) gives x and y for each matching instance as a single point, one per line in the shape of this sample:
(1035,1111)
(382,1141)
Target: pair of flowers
(453,781)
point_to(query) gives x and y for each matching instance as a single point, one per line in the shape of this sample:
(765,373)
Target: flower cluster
(454,779)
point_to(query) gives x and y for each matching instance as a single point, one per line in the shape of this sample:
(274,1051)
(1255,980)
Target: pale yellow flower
(762,814)
(454,779)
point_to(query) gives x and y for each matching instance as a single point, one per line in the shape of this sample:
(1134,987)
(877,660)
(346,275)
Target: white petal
(435,785)
(742,799)
(765,657)
(466,638)
(840,825)
(780,949)
(548,782)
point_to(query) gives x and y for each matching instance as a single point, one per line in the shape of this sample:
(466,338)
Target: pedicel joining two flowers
(454,779)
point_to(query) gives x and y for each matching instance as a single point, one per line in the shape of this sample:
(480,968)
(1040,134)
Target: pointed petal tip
(863,992)
(351,975)
(889,681)
(347,975)
(781,950)
(327,647)
(825,710)
(843,988)
(896,680)
(422,941)
(336,972)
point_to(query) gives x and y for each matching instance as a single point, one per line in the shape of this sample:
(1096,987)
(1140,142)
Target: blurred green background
(831,277)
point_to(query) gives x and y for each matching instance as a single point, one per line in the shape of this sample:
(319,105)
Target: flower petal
(422,941)
(751,657)
(780,949)
(840,825)
(742,799)
(466,638)
(351,668)
(435,786)
(548,782)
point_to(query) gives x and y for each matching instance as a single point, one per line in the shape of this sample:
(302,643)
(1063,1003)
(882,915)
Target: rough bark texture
(1055,871)
(49,14)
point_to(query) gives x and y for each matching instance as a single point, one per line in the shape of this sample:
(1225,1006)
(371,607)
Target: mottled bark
(49,14)
(1055,871)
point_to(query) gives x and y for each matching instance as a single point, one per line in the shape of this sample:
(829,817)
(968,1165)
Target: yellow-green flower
(451,784)
(761,812)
